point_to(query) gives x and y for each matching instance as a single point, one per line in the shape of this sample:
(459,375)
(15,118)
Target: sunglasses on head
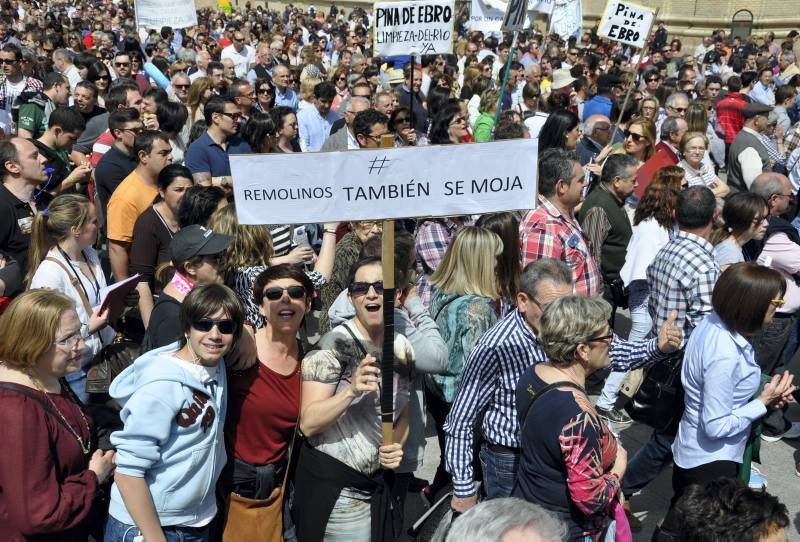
(276,292)
(226,327)
(635,137)
(361,288)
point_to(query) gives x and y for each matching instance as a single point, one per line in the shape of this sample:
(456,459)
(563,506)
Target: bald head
(776,190)
(598,127)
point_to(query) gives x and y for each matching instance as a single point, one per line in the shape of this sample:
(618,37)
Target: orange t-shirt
(130,199)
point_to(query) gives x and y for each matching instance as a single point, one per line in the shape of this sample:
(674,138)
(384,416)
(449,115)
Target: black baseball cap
(195,240)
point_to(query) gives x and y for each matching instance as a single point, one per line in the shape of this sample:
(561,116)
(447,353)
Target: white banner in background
(626,23)
(413,28)
(486,16)
(541,6)
(436,180)
(567,18)
(158,13)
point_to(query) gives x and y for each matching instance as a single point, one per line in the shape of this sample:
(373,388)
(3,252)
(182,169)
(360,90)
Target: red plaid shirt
(729,115)
(546,232)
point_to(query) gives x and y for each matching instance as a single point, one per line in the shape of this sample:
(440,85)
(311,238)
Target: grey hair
(187,55)
(568,322)
(555,164)
(179,75)
(588,125)
(617,165)
(356,58)
(789,56)
(669,125)
(672,98)
(541,270)
(490,521)
(767,184)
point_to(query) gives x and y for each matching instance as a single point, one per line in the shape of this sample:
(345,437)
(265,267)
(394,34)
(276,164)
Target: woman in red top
(48,476)
(264,400)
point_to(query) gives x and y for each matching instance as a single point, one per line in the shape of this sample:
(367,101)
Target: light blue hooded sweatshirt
(172,436)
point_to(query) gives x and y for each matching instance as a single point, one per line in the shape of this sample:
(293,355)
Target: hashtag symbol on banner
(378,164)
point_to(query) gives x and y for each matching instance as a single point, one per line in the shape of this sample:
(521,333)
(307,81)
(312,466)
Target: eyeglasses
(72,341)
(233,116)
(402,120)
(276,292)
(182,86)
(134,131)
(122,64)
(266,90)
(226,327)
(653,79)
(778,302)
(635,137)
(362,288)
(101,78)
(8,60)
(678,109)
(238,39)
(790,197)
(605,338)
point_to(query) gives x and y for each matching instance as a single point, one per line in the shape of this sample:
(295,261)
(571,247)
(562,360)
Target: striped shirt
(489,380)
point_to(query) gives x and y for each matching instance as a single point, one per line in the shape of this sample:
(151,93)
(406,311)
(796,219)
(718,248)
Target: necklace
(85,447)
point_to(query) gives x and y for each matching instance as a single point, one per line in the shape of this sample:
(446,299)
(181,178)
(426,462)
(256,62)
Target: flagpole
(505,78)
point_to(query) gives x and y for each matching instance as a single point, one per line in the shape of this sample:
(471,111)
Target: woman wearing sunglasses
(195,252)
(725,392)
(571,464)
(264,400)
(170,452)
(404,133)
(99,75)
(339,465)
(640,137)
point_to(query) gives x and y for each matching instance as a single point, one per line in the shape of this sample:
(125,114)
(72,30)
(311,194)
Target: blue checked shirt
(682,278)
(489,380)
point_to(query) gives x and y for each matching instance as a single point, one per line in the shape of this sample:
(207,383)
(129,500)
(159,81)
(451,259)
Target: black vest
(616,244)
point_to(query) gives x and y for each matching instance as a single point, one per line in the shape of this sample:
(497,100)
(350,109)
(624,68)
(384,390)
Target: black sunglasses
(651,79)
(226,327)
(636,137)
(361,288)
(402,120)
(181,86)
(276,292)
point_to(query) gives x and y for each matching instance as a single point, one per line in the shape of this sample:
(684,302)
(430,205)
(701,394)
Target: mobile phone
(300,239)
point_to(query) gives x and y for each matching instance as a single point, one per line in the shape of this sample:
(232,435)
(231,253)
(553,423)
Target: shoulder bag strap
(294,436)
(358,342)
(537,395)
(31,394)
(75,281)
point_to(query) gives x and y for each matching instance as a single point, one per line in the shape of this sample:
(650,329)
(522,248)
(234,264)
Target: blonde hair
(469,266)
(251,246)
(65,212)
(488,100)
(28,327)
(307,88)
(196,99)
(568,322)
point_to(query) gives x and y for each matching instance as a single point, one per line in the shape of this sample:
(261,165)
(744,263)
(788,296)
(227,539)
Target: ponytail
(55,223)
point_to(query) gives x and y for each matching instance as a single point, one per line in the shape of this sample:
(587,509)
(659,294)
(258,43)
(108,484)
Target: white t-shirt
(12,91)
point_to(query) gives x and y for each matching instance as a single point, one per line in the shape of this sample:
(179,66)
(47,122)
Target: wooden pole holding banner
(630,88)
(387,361)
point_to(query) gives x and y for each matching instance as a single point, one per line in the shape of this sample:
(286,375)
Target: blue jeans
(648,463)
(116,531)
(499,472)
(641,323)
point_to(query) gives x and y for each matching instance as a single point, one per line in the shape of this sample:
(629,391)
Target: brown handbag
(257,520)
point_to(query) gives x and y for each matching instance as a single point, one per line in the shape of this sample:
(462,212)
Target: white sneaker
(793,432)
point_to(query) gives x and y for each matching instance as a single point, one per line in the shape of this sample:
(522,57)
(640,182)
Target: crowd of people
(167,373)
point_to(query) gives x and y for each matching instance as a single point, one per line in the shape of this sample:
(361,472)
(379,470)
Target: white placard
(541,6)
(485,15)
(567,18)
(437,180)
(626,23)
(413,28)
(158,13)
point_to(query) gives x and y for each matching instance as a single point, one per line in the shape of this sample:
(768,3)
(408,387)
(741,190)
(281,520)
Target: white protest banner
(413,28)
(486,16)
(626,23)
(158,13)
(567,18)
(541,6)
(391,183)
